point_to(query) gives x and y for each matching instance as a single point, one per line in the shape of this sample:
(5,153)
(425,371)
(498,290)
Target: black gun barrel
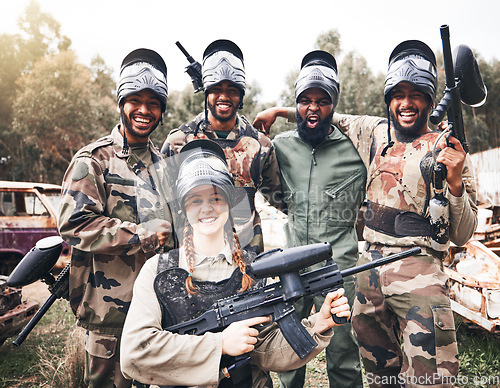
(59,290)
(186,54)
(379,262)
(32,323)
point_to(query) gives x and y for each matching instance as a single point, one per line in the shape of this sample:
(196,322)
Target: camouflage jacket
(111,237)
(252,161)
(401,179)
(323,190)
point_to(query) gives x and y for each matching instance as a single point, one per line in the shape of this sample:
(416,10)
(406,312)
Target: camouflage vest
(399,186)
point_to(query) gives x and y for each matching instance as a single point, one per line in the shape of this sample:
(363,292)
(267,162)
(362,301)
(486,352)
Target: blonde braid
(189,250)
(246,280)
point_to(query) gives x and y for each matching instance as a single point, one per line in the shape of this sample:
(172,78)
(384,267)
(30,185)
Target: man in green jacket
(323,180)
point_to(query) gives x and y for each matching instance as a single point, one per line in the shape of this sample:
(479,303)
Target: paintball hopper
(278,261)
(471,88)
(37,263)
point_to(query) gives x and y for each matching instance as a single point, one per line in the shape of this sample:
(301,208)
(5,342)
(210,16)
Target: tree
(56,114)
(360,92)
(40,35)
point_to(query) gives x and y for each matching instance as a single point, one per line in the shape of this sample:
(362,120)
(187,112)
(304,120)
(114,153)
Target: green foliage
(58,111)
(329,41)
(360,92)
(51,105)
(479,352)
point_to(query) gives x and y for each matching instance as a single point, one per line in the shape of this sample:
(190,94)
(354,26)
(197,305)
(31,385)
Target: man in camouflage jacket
(249,153)
(115,216)
(406,302)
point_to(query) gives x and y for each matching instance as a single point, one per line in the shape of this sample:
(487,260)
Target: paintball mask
(143,69)
(319,70)
(223,61)
(414,62)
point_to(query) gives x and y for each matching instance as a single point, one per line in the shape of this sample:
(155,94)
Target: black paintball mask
(318,70)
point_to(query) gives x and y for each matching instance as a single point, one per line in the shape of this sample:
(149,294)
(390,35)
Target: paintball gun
(276,299)
(193,69)
(36,265)
(463,83)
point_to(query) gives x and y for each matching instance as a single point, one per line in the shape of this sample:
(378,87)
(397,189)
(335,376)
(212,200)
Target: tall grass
(51,356)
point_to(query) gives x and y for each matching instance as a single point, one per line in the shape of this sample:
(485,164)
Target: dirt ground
(38,292)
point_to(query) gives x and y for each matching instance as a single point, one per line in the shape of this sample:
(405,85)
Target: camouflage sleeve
(360,130)
(463,210)
(271,184)
(83,215)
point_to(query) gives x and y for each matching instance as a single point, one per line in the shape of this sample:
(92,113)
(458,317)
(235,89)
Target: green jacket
(323,190)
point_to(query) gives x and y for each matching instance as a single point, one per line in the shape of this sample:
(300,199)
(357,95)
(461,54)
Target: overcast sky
(273,35)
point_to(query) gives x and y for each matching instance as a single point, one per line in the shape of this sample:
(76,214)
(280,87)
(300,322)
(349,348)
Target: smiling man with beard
(407,302)
(323,180)
(99,215)
(250,154)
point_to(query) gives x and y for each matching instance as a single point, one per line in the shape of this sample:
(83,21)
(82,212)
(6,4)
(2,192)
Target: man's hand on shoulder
(265,119)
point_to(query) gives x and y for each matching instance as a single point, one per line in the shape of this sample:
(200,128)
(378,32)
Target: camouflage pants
(342,354)
(102,361)
(405,301)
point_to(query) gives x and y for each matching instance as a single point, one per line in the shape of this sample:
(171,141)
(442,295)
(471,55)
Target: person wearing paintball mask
(249,153)
(99,215)
(407,303)
(181,284)
(323,179)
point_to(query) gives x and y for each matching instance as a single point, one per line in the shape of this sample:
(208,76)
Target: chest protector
(398,192)
(177,304)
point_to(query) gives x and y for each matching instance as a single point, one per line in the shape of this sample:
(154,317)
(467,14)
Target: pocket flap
(100,345)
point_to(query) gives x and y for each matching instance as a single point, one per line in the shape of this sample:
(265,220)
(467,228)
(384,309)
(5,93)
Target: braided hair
(234,243)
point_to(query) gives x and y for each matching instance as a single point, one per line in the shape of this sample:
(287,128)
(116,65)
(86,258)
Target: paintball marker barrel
(450,103)
(186,54)
(35,265)
(193,69)
(59,290)
(377,263)
(276,299)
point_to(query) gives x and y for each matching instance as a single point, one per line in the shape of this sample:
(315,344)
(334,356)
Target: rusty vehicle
(14,313)
(474,272)
(28,213)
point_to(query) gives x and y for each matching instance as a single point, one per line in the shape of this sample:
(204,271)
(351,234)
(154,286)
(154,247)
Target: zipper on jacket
(344,184)
(314,163)
(314,156)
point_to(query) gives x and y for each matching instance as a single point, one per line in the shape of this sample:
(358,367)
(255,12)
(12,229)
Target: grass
(53,355)
(479,356)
